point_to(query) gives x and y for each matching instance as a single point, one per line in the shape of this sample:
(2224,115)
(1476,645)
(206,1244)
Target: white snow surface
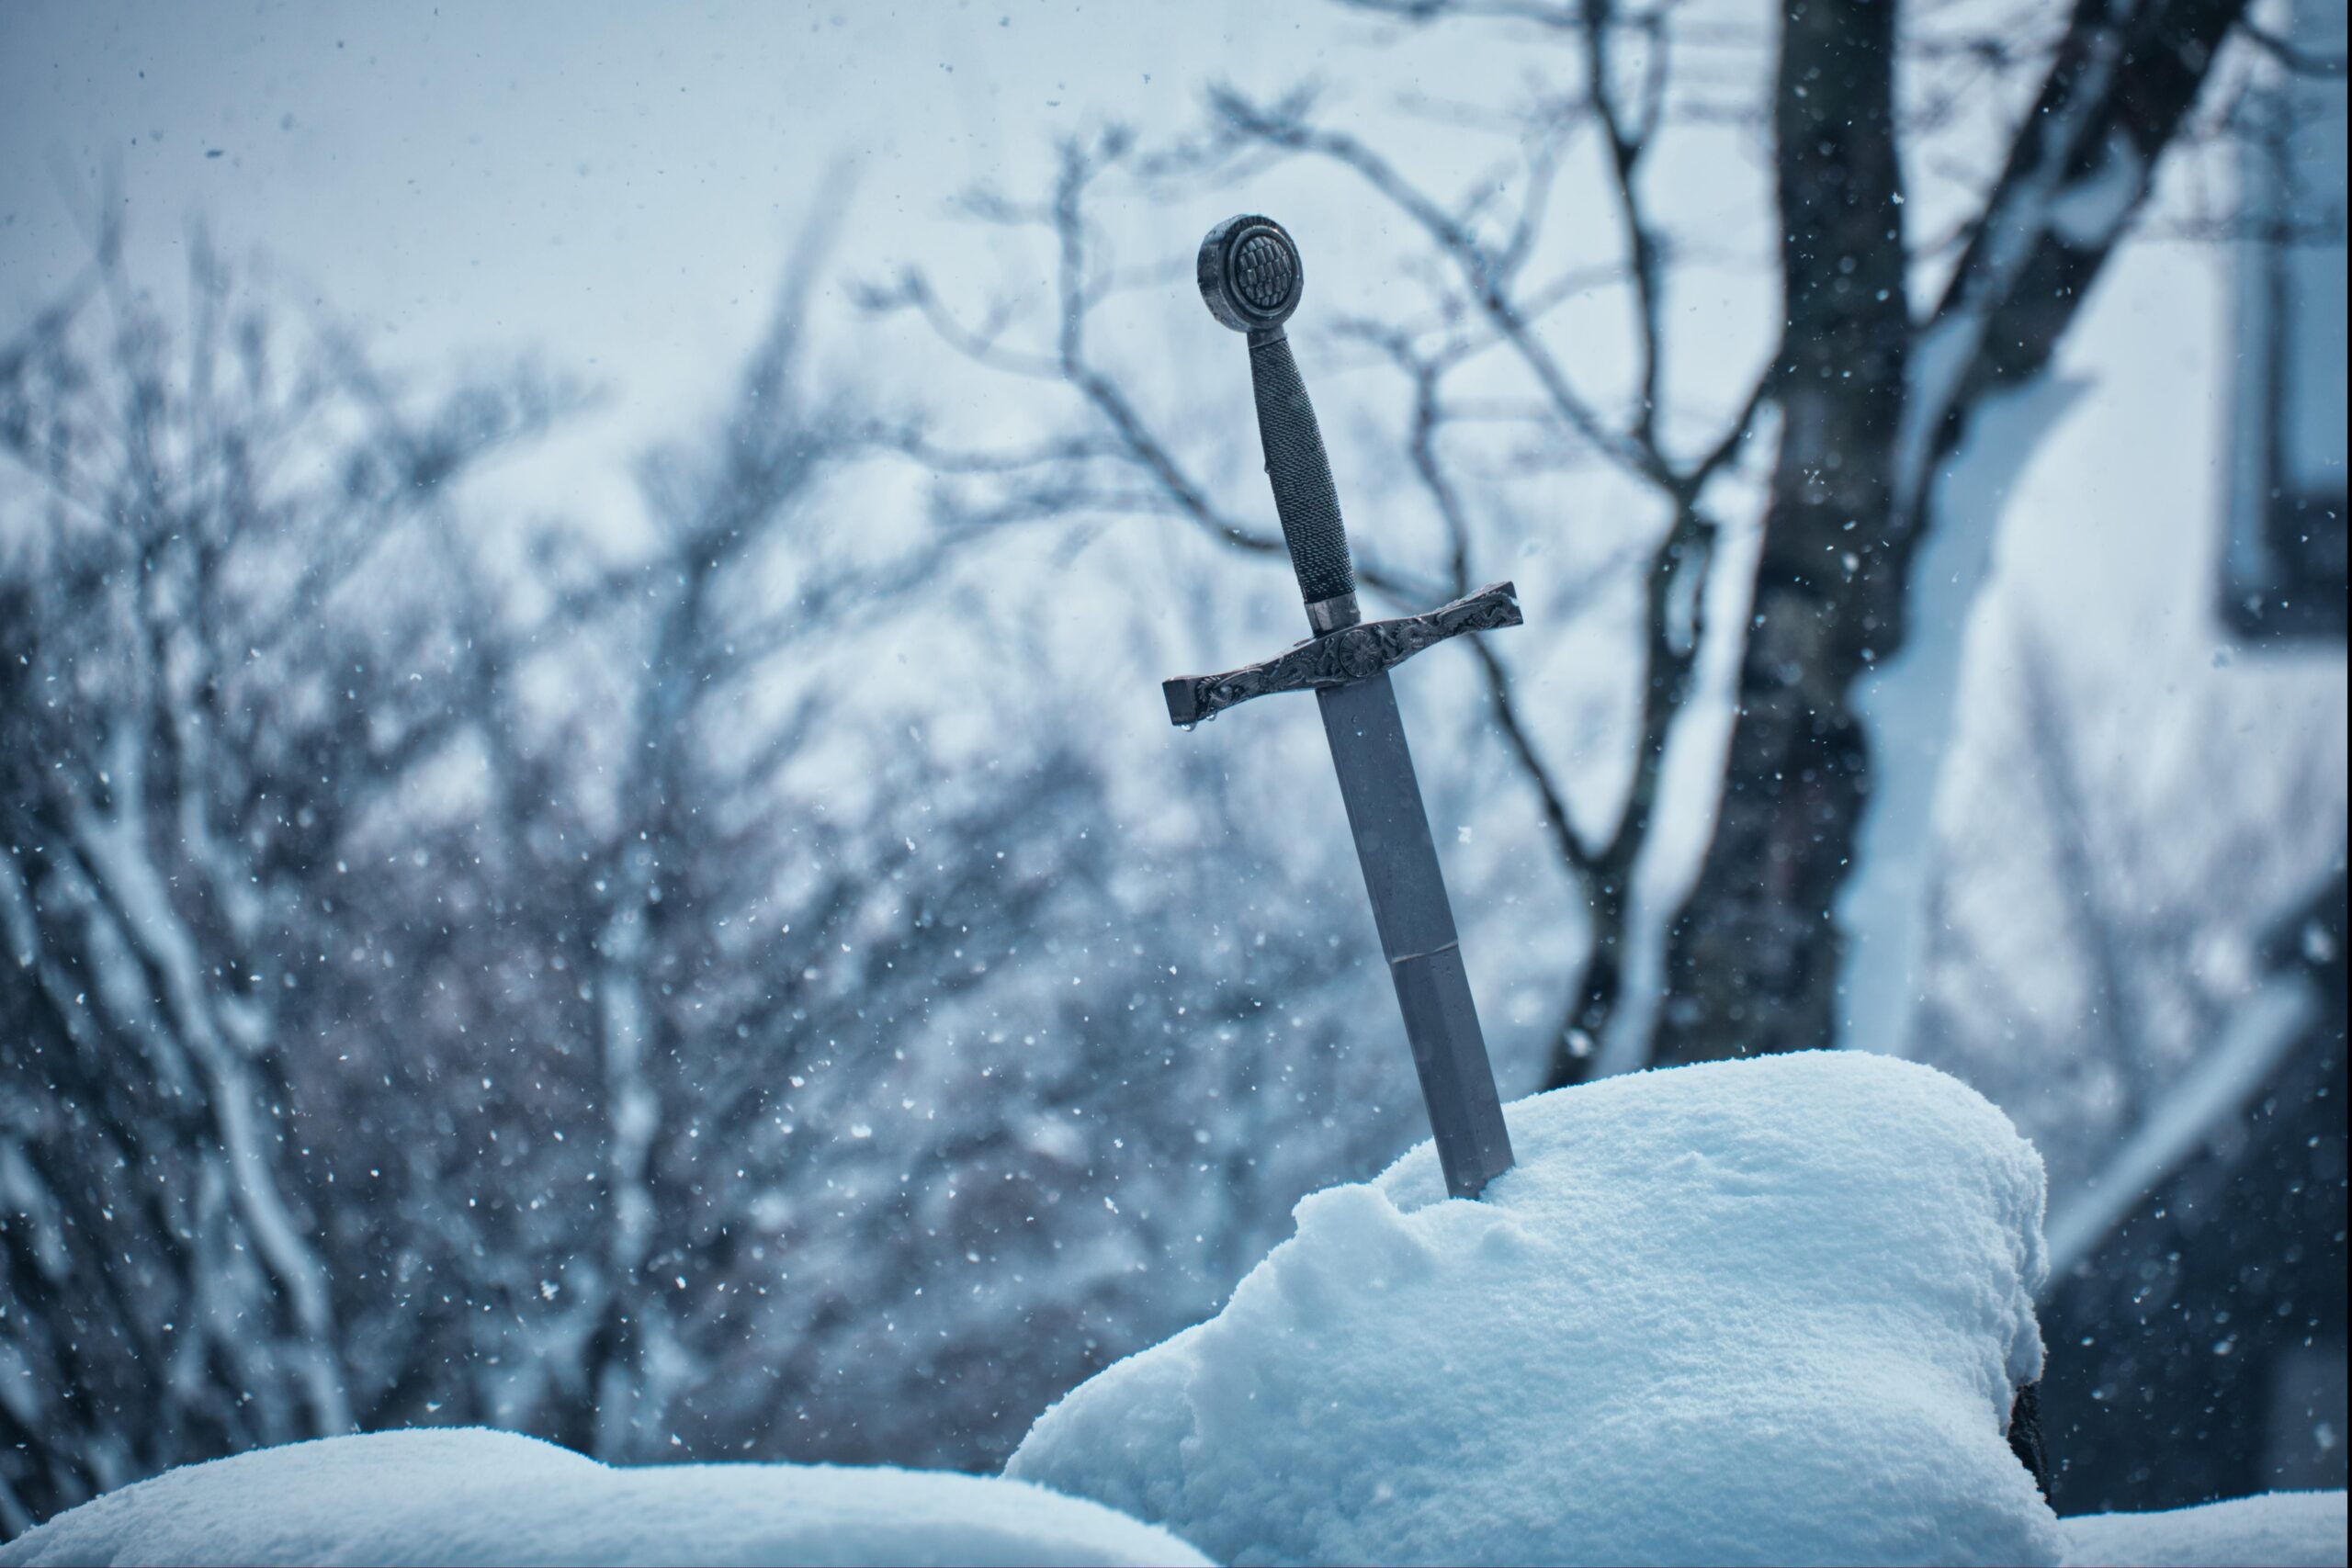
(475,1496)
(2278,1530)
(1763,1311)
(1770,1310)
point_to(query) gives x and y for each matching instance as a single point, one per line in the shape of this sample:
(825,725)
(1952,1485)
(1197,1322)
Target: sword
(1250,274)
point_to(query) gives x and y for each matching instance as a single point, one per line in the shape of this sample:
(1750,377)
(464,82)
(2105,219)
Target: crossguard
(1337,657)
(1251,276)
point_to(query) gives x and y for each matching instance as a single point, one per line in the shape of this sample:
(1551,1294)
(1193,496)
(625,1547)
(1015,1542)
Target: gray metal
(1392,831)
(1250,273)
(1450,1056)
(1251,276)
(1327,616)
(1416,924)
(1336,657)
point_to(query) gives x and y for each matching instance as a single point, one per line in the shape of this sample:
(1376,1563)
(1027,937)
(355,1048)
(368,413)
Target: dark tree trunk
(1752,961)
(1599,989)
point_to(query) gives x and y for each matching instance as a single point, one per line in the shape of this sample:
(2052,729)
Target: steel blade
(1416,934)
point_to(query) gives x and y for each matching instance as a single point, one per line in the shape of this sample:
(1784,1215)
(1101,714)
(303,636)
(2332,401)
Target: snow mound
(473,1496)
(1767,1310)
(2278,1530)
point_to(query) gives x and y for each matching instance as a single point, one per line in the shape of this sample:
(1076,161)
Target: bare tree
(586,1005)
(1871,401)
(190,719)
(1867,398)
(1492,300)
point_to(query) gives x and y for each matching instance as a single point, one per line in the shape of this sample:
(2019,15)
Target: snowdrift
(2278,1529)
(473,1496)
(1769,1310)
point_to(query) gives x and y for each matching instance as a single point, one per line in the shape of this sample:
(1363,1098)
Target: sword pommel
(1250,273)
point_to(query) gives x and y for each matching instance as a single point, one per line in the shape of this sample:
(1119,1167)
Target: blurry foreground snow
(475,1496)
(2279,1527)
(1765,1311)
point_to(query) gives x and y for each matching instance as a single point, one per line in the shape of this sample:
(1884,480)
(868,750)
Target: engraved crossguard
(1251,276)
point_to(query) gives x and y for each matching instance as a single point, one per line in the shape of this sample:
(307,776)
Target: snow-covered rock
(2278,1530)
(472,1496)
(1769,1310)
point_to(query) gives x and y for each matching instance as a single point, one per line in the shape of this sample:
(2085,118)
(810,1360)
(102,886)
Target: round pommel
(1250,273)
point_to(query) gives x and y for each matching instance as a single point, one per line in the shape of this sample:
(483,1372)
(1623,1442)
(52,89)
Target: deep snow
(1764,1311)
(2278,1530)
(1767,1310)
(473,1496)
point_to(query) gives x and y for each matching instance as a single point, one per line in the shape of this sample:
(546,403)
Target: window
(2283,567)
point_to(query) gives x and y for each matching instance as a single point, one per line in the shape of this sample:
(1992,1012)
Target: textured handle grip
(1303,496)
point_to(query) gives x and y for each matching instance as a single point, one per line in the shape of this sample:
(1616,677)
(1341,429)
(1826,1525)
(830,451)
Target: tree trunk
(1752,961)
(1600,990)
(1869,407)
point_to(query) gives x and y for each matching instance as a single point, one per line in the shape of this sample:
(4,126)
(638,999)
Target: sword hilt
(1251,276)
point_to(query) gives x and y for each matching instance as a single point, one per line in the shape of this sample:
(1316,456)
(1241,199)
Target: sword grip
(1305,498)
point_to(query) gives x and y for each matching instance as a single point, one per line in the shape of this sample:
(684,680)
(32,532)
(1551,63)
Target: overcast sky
(614,185)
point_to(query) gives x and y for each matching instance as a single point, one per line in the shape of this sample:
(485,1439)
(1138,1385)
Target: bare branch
(2295,59)
(1476,264)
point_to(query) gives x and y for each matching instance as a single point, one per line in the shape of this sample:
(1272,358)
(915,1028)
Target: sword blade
(1416,934)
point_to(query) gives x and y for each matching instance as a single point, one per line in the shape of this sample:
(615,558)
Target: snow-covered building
(2162,1008)
(2283,566)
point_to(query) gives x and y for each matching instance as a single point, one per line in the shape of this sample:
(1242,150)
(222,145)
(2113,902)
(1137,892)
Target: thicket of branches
(573,1005)
(1887,341)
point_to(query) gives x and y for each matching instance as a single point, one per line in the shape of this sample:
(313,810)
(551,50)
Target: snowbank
(494,1497)
(1769,1311)
(1759,1311)
(2278,1530)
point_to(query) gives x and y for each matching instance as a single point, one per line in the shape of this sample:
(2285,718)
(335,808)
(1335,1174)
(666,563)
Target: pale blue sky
(613,185)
